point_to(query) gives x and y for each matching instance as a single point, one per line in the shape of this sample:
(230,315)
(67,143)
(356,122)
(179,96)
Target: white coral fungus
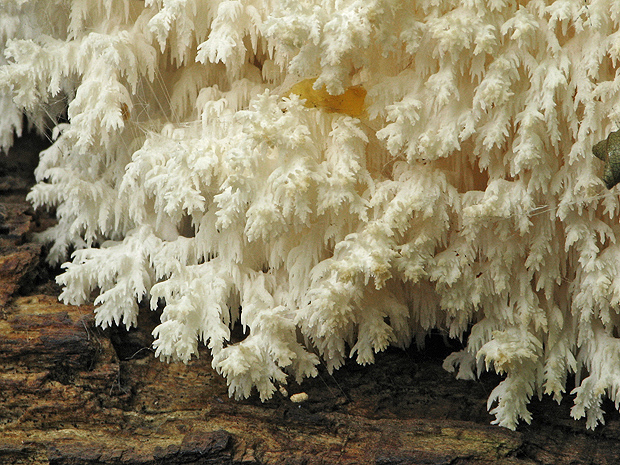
(464,196)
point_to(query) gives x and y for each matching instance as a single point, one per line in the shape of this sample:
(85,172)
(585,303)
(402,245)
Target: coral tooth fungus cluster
(337,176)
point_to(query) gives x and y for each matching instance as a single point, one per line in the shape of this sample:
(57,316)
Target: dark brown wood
(71,393)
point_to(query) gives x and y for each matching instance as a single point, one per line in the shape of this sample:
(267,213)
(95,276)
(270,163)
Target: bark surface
(71,393)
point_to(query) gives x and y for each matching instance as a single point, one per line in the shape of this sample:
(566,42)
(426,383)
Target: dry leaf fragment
(608,150)
(125,113)
(351,102)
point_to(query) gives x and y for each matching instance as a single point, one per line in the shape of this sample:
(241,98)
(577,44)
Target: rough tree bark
(71,393)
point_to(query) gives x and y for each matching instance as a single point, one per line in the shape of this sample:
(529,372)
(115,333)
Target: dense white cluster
(465,198)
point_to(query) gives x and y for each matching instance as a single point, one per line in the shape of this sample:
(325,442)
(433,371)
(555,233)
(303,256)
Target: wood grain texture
(71,393)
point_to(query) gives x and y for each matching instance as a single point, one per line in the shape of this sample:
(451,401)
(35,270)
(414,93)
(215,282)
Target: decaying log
(71,393)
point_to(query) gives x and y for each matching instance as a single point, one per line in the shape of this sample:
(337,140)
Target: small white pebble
(283,391)
(299,397)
